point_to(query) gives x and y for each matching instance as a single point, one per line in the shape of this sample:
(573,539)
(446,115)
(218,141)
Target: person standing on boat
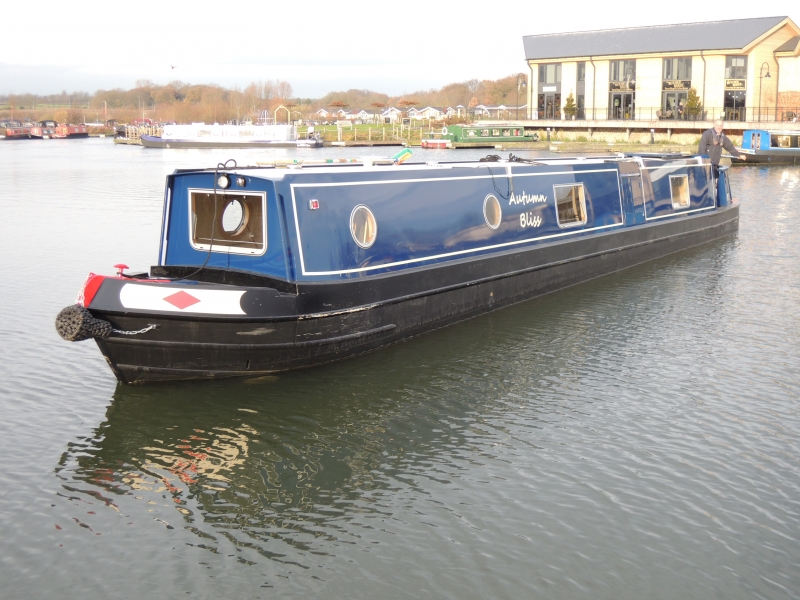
(713,141)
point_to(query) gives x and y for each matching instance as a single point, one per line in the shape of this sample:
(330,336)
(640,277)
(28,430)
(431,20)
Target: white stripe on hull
(193,301)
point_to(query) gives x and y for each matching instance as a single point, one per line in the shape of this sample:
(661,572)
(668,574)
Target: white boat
(199,135)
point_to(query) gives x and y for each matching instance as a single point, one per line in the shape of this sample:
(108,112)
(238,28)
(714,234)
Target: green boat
(454,136)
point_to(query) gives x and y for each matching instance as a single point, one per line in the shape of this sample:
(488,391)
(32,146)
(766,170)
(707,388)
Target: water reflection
(296,465)
(630,437)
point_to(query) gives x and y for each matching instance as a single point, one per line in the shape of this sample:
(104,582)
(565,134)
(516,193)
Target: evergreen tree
(693,105)
(570,108)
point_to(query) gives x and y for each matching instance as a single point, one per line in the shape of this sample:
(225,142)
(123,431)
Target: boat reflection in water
(413,456)
(283,467)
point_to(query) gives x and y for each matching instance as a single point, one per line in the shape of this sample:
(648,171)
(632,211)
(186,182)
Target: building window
(550,73)
(677,69)
(622,70)
(622,90)
(676,79)
(549,106)
(580,90)
(735,67)
(735,109)
(735,88)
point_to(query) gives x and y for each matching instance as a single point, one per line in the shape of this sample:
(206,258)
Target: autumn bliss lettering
(524,198)
(528,219)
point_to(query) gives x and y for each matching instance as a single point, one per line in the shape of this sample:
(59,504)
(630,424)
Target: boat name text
(524,198)
(528,219)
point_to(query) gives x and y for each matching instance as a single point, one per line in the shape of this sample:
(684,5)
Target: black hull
(335,321)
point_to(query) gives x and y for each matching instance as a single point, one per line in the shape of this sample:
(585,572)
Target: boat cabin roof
(276,171)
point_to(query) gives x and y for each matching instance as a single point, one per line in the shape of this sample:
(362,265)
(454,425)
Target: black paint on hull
(332,321)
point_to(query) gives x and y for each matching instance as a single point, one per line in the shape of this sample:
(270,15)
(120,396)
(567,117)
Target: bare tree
(283,90)
(406,104)
(376,106)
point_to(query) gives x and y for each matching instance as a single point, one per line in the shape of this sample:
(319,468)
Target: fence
(635,113)
(134,132)
(372,133)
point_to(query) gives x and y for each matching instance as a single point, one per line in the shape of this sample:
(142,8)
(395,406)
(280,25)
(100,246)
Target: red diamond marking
(182,300)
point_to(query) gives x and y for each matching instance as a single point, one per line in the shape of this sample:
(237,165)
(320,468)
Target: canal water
(632,437)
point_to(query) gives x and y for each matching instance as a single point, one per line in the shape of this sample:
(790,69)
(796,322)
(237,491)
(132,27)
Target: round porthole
(234,217)
(492,212)
(363,226)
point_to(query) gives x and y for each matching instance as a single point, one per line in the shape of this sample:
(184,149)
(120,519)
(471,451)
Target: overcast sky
(392,47)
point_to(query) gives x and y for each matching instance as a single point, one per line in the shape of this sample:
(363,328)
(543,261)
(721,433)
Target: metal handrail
(783,114)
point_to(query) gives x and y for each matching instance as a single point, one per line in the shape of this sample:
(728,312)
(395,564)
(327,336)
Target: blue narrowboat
(765,146)
(265,269)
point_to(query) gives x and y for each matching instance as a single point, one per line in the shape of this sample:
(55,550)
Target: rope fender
(75,324)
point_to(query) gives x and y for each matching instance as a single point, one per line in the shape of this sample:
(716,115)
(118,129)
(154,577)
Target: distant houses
(501,111)
(392,114)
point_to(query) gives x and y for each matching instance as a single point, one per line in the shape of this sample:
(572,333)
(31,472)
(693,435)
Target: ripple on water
(632,436)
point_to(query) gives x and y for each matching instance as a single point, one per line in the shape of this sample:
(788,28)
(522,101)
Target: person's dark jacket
(712,143)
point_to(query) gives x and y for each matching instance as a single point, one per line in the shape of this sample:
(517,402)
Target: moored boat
(771,146)
(44,130)
(18,132)
(200,135)
(71,131)
(476,136)
(268,269)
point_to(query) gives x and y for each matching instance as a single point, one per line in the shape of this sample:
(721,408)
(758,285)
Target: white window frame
(583,205)
(499,209)
(352,229)
(679,205)
(220,247)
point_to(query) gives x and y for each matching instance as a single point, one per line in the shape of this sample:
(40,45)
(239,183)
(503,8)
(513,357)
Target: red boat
(18,133)
(72,131)
(44,130)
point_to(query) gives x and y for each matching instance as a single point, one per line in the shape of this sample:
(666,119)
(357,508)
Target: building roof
(658,39)
(789,46)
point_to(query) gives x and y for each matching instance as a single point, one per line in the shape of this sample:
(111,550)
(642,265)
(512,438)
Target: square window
(240,225)
(679,188)
(570,205)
